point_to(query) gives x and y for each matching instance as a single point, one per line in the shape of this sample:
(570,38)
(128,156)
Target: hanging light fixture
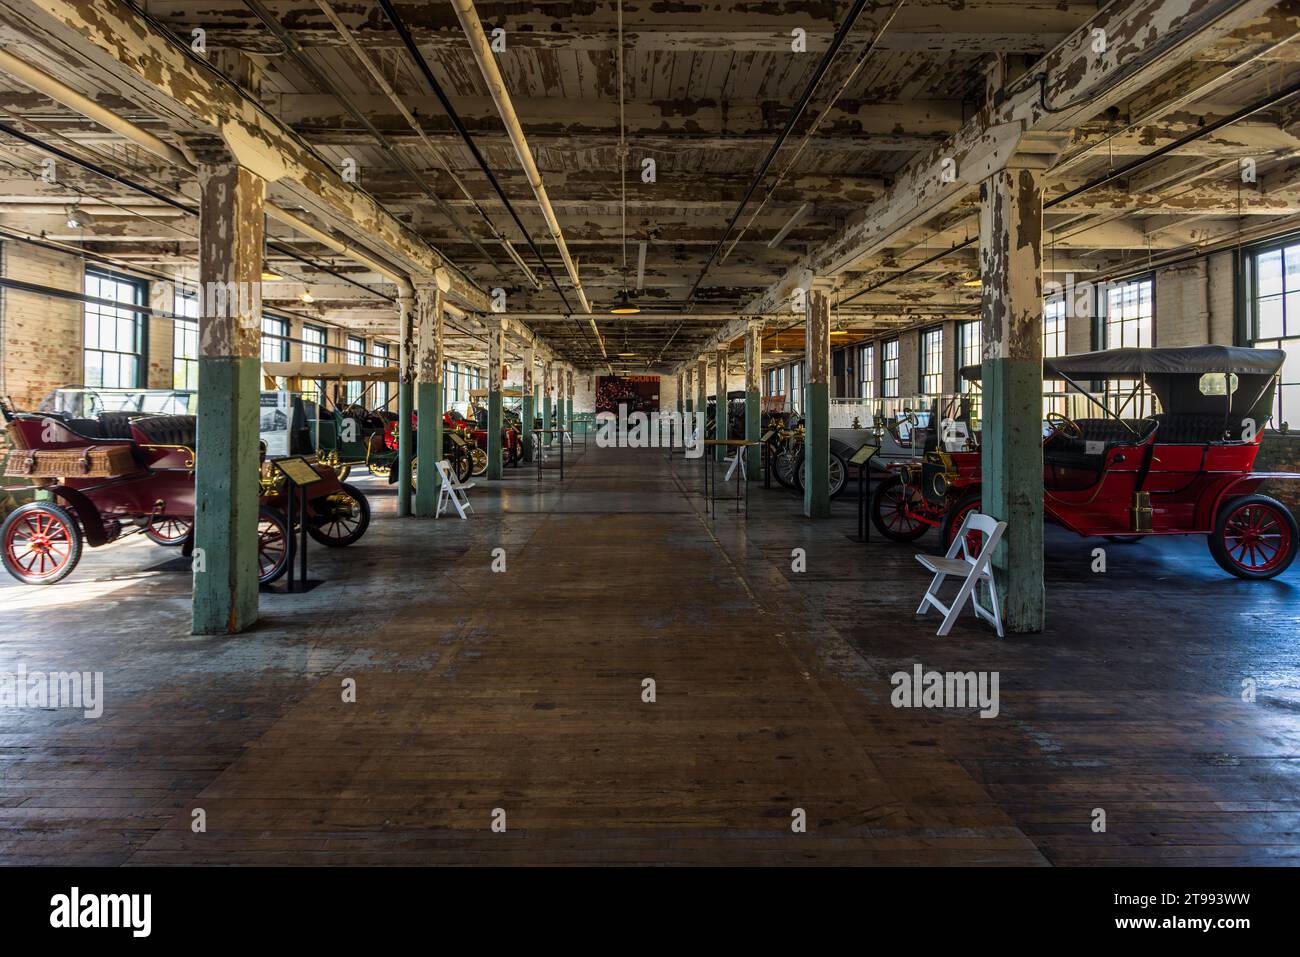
(624,306)
(269,274)
(307,296)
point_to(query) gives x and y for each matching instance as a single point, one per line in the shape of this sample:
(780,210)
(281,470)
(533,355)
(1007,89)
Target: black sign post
(862,459)
(298,475)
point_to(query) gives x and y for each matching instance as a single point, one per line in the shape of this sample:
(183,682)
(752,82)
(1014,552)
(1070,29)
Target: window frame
(99,314)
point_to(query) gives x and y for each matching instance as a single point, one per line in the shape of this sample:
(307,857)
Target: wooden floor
(522,691)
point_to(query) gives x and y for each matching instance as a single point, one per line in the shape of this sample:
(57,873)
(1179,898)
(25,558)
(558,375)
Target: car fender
(1245,484)
(92,523)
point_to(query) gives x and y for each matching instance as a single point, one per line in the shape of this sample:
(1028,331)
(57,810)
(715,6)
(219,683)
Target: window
(185,343)
(275,339)
(932,361)
(1273,294)
(113,338)
(379,357)
(1054,345)
(867,372)
(889,369)
(1128,321)
(796,387)
(970,352)
(356,356)
(313,350)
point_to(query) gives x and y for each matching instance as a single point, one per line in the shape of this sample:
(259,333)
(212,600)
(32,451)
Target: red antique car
(1185,470)
(41,542)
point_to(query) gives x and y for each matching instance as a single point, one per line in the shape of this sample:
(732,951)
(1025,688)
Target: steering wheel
(910,418)
(1064,425)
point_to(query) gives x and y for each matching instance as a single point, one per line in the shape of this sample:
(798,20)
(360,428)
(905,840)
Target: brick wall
(909,363)
(1182,305)
(40,346)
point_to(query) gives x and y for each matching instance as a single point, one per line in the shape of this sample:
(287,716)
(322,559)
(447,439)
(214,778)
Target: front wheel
(344,517)
(893,508)
(1254,537)
(272,545)
(41,543)
(839,474)
(478,460)
(168,530)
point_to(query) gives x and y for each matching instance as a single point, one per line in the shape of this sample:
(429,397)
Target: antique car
(150,489)
(512,448)
(458,449)
(1187,469)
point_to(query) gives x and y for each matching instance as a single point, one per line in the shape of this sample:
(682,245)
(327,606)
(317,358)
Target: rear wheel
(970,502)
(272,545)
(41,543)
(783,467)
(1254,537)
(345,516)
(168,530)
(891,511)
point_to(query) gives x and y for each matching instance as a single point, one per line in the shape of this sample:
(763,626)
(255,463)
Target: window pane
(1268,267)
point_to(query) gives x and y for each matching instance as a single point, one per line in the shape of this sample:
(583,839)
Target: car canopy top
(1175,375)
(343,371)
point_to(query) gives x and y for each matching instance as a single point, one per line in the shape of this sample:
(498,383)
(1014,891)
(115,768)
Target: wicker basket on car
(88,461)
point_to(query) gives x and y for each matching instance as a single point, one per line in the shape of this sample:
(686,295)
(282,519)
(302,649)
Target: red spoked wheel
(1254,537)
(41,543)
(893,510)
(970,502)
(272,545)
(168,530)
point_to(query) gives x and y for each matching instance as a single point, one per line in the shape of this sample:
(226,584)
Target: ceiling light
(626,355)
(269,274)
(624,306)
(974,283)
(776,352)
(307,296)
(839,332)
(79,219)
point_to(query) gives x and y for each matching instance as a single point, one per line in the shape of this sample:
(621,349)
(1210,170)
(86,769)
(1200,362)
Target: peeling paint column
(568,405)
(405,402)
(496,356)
(529,404)
(753,407)
(702,395)
(546,401)
(226,566)
(817,400)
(721,431)
(559,397)
(1011,305)
(688,398)
(429,313)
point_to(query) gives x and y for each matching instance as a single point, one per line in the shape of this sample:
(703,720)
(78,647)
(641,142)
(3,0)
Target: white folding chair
(972,569)
(737,458)
(452,491)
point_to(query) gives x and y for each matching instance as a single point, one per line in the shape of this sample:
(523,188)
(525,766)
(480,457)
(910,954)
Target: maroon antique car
(41,542)
(1185,470)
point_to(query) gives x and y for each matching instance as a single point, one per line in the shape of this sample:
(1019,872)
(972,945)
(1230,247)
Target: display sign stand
(766,439)
(298,475)
(862,459)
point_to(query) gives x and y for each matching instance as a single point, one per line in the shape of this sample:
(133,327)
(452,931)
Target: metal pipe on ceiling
(486,59)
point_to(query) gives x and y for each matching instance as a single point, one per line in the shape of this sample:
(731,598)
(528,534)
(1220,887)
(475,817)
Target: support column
(496,356)
(689,399)
(428,397)
(568,405)
(817,401)
(702,396)
(559,397)
(1011,304)
(753,408)
(529,404)
(405,402)
(720,431)
(226,568)
(546,400)
(681,399)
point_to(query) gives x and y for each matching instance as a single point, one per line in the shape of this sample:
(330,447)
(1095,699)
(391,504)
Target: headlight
(939,484)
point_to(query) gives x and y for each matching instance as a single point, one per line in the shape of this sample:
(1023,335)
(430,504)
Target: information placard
(298,470)
(863,454)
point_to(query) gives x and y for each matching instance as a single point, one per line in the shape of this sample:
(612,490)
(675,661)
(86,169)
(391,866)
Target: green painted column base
(817,450)
(1012,485)
(428,447)
(526,428)
(405,446)
(494,436)
(753,431)
(226,494)
(546,419)
(721,430)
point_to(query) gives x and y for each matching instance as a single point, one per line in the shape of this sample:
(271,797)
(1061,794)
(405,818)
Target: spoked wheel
(1254,537)
(783,467)
(272,545)
(968,503)
(892,510)
(168,530)
(479,460)
(41,543)
(345,516)
(839,474)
